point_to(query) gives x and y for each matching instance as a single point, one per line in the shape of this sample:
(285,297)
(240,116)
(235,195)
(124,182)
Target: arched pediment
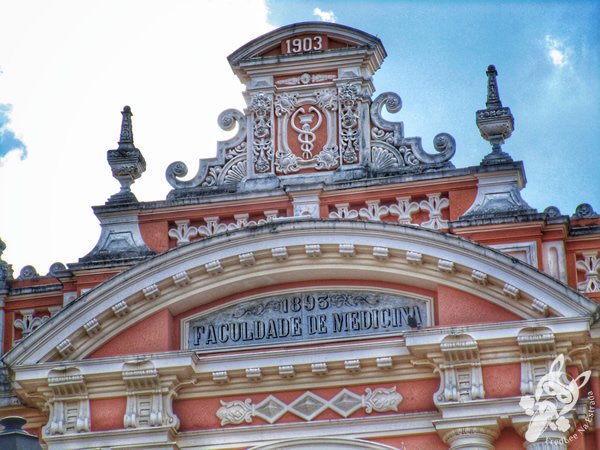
(273,44)
(305,251)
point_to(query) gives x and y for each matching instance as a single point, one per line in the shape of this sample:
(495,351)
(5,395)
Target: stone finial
(126,162)
(495,123)
(6,270)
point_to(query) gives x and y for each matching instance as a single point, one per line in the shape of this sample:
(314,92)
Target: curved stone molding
(308,406)
(227,168)
(399,240)
(391,152)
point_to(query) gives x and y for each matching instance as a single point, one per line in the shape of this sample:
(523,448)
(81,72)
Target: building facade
(324,282)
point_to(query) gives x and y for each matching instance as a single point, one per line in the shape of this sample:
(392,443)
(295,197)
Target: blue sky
(547,54)
(67,67)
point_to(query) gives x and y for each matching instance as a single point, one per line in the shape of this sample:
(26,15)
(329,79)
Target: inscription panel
(306,316)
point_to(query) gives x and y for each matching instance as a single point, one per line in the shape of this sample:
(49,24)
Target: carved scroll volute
(391,151)
(215,171)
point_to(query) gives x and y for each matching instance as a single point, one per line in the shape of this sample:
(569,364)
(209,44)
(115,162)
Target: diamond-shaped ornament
(308,406)
(345,403)
(270,409)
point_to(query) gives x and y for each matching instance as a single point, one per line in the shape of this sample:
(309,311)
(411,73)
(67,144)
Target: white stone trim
(529,247)
(560,299)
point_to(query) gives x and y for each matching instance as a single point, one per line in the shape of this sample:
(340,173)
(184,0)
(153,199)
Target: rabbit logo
(554,397)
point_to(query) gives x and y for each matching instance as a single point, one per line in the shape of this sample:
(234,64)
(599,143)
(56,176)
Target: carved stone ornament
(184,233)
(308,406)
(461,378)
(584,211)
(28,323)
(126,162)
(149,404)
(6,270)
(495,123)
(590,266)
(223,172)
(28,273)
(391,152)
(69,405)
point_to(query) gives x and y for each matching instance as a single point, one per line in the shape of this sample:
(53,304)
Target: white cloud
(325,16)
(557,51)
(68,75)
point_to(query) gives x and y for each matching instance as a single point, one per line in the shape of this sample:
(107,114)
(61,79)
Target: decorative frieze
(434,205)
(373,211)
(343,212)
(308,406)
(184,232)
(404,209)
(590,266)
(69,404)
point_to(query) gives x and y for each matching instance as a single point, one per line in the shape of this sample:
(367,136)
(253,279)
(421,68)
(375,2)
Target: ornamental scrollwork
(309,405)
(391,151)
(381,400)
(349,97)
(229,165)
(262,120)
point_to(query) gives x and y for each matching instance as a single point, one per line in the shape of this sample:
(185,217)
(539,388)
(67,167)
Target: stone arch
(204,270)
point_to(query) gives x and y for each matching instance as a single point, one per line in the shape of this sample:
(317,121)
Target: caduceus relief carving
(306,133)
